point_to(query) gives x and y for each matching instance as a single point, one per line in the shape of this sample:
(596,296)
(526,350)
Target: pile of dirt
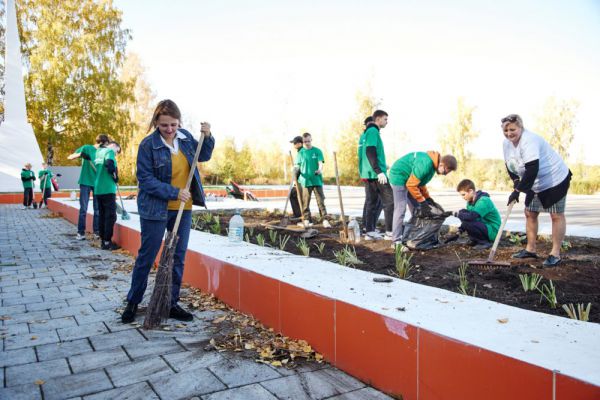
(577,278)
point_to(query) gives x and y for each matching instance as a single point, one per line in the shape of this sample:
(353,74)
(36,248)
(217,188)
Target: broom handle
(295,178)
(337,182)
(287,199)
(187,185)
(495,246)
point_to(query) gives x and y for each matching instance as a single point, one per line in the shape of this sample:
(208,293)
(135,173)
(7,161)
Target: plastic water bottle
(354,230)
(236,228)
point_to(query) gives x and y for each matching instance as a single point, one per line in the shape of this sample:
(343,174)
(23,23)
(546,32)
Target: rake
(160,302)
(490,263)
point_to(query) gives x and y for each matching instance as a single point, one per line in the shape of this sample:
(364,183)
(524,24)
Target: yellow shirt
(180,169)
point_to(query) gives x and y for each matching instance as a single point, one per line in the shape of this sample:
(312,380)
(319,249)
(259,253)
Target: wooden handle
(300,201)
(337,182)
(499,235)
(187,186)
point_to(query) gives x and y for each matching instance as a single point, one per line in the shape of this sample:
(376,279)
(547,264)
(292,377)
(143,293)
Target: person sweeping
(164,160)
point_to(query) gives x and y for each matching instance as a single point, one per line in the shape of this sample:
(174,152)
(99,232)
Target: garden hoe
(160,302)
(490,263)
(344,232)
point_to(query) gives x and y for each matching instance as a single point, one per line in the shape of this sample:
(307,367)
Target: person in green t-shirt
(310,165)
(409,177)
(45,177)
(480,219)
(105,189)
(87,179)
(372,169)
(27,177)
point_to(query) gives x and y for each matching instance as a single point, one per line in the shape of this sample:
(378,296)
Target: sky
(265,71)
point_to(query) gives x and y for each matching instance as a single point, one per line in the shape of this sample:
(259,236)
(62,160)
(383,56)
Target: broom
(160,302)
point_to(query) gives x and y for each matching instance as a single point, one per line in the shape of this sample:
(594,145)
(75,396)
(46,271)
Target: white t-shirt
(553,169)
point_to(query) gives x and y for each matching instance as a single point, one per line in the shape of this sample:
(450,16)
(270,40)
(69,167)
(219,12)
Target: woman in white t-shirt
(539,172)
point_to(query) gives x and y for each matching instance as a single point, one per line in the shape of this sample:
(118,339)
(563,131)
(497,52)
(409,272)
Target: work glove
(514,196)
(381,178)
(432,203)
(58,175)
(85,156)
(426,209)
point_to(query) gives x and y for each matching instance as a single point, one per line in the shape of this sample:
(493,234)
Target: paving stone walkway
(62,338)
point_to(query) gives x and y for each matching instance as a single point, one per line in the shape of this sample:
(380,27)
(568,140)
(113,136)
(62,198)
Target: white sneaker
(387,236)
(80,237)
(24,207)
(373,235)
(326,224)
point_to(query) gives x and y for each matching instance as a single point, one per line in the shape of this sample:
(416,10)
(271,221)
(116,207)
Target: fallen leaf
(503,320)
(166,328)
(219,320)
(487,285)
(442,301)
(33,338)
(401,308)
(180,326)
(39,382)
(276,363)
(249,346)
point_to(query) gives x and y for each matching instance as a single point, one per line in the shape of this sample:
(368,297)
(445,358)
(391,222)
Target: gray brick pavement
(62,338)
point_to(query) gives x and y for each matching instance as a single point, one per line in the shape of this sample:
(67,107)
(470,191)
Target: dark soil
(577,278)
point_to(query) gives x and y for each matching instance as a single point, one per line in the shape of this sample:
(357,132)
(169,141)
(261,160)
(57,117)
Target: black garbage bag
(422,233)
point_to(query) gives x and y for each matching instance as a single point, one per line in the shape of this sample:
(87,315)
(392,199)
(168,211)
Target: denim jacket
(154,173)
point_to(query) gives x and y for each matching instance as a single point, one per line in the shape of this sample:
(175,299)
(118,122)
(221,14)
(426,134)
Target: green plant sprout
(581,314)
(320,247)
(303,246)
(283,239)
(548,292)
(403,262)
(530,282)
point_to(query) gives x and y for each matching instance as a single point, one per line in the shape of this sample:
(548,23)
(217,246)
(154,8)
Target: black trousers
(295,203)
(376,213)
(47,194)
(28,197)
(107,207)
(476,230)
(384,192)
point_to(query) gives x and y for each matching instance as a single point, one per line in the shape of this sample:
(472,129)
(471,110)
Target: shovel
(285,221)
(344,231)
(490,263)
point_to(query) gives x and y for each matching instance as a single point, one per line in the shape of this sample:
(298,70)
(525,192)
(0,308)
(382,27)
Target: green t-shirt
(27,173)
(370,137)
(87,176)
(308,161)
(416,163)
(105,183)
(45,176)
(489,214)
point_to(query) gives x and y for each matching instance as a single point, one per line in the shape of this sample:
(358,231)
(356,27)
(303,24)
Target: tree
(72,51)
(228,163)
(140,108)
(347,140)
(457,136)
(557,122)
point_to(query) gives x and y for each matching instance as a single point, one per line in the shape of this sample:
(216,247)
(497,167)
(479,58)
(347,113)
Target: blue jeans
(152,235)
(84,198)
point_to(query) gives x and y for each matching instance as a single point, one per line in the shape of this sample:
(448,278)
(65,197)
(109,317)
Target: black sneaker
(551,261)
(180,314)
(128,315)
(524,254)
(109,246)
(482,246)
